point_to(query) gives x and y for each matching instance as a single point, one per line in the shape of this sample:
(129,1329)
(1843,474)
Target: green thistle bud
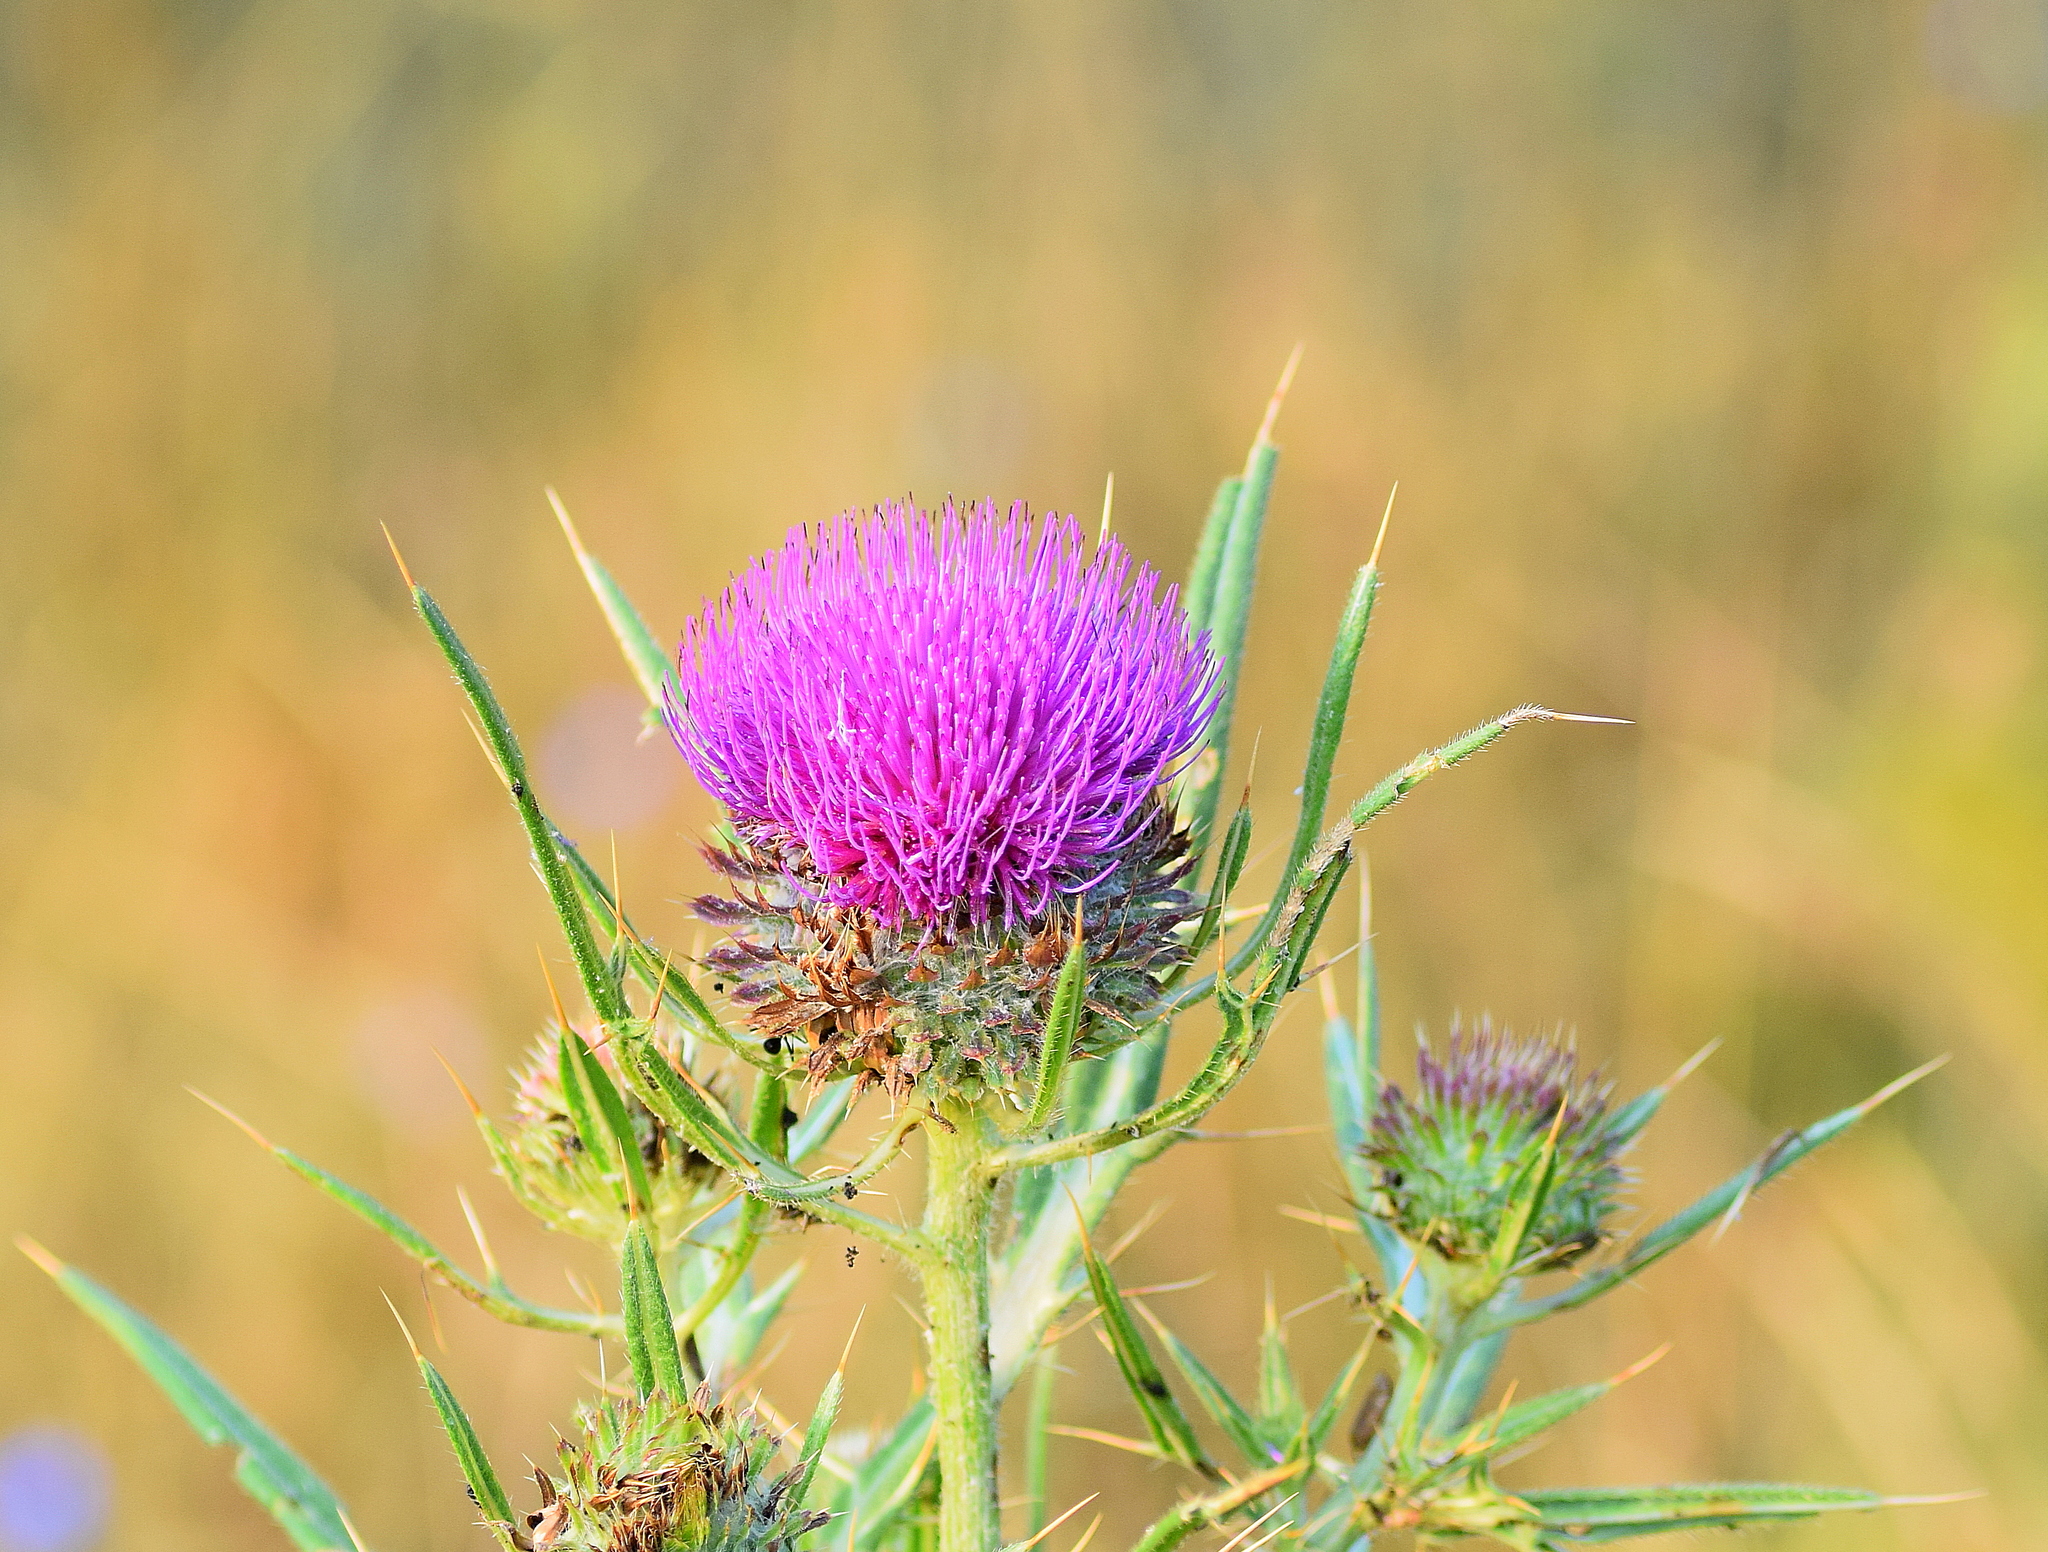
(654,1474)
(1457,1160)
(572,1186)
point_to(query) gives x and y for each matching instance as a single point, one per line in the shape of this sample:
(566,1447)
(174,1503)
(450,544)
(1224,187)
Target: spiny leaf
(1327,732)
(1324,1419)
(1230,860)
(1198,597)
(1228,621)
(1628,1122)
(303,1506)
(625,1142)
(819,1431)
(1280,1414)
(569,1077)
(884,1484)
(1675,1231)
(650,1330)
(477,1470)
(494,1300)
(1597,1514)
(650,662)
(1062,1022)
(1225,1409)
(1169,1425)
(598,983)
(1526,1196)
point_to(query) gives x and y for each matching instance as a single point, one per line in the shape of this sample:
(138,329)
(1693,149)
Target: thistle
(941,742)
(1452,1162)
(941,739)
(582,1185)
(653,1474)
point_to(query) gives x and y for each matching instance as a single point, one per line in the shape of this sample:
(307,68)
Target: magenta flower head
(941,738)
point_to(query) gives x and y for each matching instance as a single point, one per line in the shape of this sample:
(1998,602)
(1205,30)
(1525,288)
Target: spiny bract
(568,1186)
(653,1474)
(1450,1159)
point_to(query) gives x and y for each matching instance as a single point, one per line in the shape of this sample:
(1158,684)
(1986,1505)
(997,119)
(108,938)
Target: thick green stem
(958,1195)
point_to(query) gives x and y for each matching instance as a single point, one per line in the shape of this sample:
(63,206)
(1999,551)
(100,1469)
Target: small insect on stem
(1372,1410)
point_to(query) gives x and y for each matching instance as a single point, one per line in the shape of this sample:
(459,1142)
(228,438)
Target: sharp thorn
(404,571)
(417,1356)
(254,1136)
(1279,396)
(1372,561)
(476,1110)
(568,527)
(39,1255)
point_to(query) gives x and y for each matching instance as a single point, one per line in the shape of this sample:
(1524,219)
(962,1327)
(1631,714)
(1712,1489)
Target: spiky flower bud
(1455,1161)
(570,1186)
(654,1474)
(941,739)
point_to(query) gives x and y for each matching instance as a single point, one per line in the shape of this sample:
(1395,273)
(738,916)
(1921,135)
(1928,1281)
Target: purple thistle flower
(954,716)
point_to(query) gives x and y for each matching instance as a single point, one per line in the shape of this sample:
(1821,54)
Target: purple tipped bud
(1452,1159)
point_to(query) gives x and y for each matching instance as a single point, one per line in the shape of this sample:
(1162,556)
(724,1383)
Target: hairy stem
(958,1195)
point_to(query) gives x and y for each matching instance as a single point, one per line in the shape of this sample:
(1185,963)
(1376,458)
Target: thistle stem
(958,1195)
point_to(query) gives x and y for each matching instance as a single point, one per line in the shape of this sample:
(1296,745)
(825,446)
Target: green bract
(1488,1116)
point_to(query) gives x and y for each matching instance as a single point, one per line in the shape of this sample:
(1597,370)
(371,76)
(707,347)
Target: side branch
(1247,1020)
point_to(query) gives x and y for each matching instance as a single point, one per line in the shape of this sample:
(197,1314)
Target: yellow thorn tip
(1279,395)
(39,1255)
(213,1104)
(403,570)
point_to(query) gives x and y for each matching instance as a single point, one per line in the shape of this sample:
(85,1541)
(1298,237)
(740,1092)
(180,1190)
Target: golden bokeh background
(1708,343)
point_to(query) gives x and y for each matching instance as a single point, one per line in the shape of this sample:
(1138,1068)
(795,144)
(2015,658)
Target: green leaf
(1230,859)
(477,1470)
(650,1329)
(1727,1197)
(1224,1409)
(625,1142)
(1169,1425)
(1332,708)
(284,1485)
(569,1077)
(602,989)
(1280,1411)
(1199,597)
(819,1431)
(1228,621)
(495,1299)
(1324,1419)
(887,1480)
(652,665)
(1062,1022)
(1597,1514)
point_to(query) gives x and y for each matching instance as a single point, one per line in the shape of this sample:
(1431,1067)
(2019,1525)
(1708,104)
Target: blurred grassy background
(1709,344)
